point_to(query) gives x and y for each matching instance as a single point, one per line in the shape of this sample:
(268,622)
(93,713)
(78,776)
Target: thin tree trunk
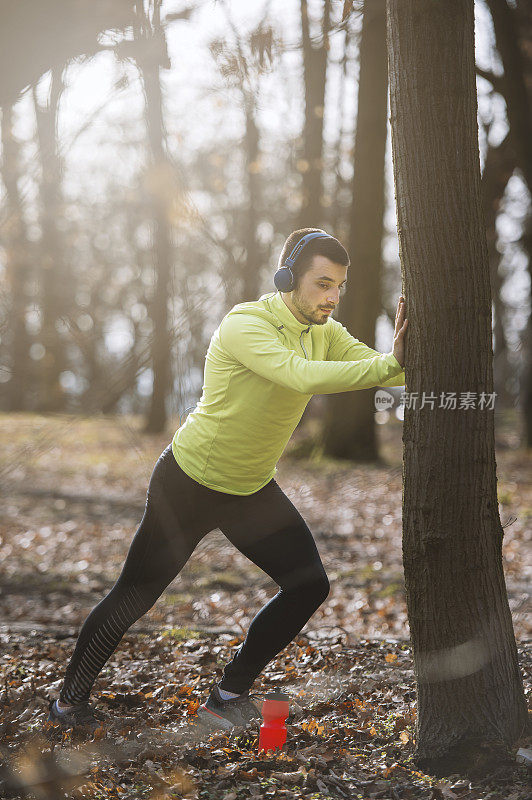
(526,390)
(55,283)
(97,376)
(498,169)
(151,51)
(518,103)
(162,250)
(251,277)
(470,694)
(516,61)
(336,213)
(17,262)
(349,430)
(315,75)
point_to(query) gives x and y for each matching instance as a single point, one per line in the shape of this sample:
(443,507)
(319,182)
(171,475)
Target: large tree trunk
(315,75)
(469,686)
(17,262)
(56,287)
(151,53)
(350,417)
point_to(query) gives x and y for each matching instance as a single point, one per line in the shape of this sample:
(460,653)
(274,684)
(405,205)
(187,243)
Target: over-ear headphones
(284,277)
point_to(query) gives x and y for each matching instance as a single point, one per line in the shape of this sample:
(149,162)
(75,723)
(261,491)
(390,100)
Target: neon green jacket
(261,369)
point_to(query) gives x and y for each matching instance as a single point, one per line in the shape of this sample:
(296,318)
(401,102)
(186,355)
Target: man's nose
(334,298)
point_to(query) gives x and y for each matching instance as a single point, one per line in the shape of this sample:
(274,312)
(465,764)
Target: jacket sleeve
(254,343)
(344,347)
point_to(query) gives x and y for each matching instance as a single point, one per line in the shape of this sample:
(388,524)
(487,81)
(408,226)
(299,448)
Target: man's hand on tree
(399,332)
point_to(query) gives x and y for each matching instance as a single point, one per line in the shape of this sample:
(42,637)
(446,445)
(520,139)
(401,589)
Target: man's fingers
(402,330)
(399,333)
(399,316)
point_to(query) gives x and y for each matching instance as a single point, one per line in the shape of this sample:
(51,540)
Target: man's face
(318,293)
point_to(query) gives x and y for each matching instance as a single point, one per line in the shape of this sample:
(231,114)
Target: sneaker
(228,714)
(81,715)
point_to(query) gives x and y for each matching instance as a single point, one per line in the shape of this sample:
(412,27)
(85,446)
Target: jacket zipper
(301,343)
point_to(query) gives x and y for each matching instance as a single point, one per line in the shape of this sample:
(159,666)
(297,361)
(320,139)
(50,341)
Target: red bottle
(275,710)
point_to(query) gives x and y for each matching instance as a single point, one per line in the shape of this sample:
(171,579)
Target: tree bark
(315,76)
(471,703)
(349,430)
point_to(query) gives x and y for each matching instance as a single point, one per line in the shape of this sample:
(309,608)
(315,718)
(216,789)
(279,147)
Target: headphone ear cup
(284,279)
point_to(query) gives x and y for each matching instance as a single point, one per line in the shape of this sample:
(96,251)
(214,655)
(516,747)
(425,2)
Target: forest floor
(74,493)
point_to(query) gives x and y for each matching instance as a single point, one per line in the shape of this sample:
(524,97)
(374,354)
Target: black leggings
(265,526)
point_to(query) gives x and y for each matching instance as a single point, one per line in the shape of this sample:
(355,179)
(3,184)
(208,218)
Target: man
(265,361)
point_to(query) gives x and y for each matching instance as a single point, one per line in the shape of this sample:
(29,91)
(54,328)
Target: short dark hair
(330,248)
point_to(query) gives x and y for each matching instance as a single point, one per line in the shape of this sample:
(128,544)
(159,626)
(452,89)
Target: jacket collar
(277,306)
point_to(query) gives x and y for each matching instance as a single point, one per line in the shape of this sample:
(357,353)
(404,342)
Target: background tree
(499,165)
(18,269)
(241,63)
(513,36)
(349,428)
(470,690)
(315,78)
(151,55)
(54,274)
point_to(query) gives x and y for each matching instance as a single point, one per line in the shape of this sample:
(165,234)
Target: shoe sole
(213,720)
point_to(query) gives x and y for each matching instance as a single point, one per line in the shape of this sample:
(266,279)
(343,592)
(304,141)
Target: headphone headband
(290,261)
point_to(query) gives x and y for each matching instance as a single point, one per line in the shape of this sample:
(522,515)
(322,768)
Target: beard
(312,314)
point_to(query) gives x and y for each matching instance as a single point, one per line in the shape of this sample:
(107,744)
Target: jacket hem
(215,486)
